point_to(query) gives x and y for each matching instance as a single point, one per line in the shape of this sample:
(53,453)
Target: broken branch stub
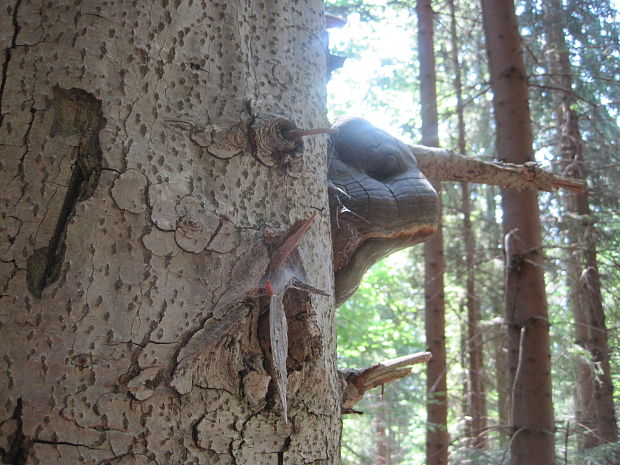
(285,271)
(272,139)
(357,382)
(271,146)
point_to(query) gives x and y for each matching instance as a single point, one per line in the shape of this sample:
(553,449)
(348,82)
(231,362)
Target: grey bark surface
(132,249)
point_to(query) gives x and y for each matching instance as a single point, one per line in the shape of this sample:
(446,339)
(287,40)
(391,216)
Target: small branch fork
(357,382)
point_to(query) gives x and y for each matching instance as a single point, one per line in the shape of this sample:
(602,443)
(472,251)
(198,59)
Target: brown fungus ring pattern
(379,200)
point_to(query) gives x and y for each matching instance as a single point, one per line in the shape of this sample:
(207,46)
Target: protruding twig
(290,240)
(357,382)
(446,165)
(299,133)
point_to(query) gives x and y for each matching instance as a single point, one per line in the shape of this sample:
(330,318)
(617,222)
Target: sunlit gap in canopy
(375,51)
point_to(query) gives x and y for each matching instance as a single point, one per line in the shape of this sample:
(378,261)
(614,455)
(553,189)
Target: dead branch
(445,165)
(357,382)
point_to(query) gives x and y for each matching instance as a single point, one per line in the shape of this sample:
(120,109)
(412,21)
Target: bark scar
(75,112)
(8,54)
(19,445)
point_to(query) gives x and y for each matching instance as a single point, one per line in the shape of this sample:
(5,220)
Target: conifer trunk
(437,438)
(532,420)
(595,413)
(382,444)
(476,398)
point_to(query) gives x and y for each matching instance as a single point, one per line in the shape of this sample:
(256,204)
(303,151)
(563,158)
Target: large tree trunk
(138,233)
(526,305)
(437,438)
(476,398)
(594,390)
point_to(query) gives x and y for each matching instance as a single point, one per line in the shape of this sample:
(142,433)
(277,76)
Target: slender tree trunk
(532,441)
(130,328)
(381,439)
(476,398)
(463,359)
(594,390)
(497,329)
(502,381)
(437,438)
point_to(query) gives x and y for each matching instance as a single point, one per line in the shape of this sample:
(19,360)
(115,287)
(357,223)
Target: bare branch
(446,165)
(357,382)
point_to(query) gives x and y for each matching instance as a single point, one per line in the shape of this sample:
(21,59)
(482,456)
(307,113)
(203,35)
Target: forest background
(385,318)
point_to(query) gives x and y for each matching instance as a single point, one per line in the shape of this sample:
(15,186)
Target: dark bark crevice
(8,52)
(75,112)
(19,444)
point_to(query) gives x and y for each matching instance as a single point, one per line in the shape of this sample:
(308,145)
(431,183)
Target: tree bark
(134,313)
(502,381)
(382,442)
(526,315)
(594,390)
(476,397)
(437,438)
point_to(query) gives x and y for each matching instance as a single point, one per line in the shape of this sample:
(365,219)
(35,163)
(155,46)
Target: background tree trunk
(382,442)
(502,381)
(129,331)
(526,305)
(437,438)
(476,398)
(594,390)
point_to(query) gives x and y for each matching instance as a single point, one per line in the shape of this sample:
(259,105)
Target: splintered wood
(357,382)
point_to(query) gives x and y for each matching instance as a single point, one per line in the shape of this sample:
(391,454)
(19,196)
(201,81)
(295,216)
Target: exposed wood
(379,201)
(357,382)
(281,274)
